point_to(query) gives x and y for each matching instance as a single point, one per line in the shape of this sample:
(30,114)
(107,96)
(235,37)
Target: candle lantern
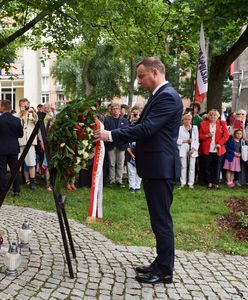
(12,260)
(25,234)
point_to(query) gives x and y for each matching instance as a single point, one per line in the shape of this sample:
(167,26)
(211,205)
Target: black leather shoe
(155,277)
(145,269)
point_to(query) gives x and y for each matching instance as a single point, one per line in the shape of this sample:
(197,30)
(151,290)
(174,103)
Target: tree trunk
(85,77)
(217,75)
(218,69)
(131,83)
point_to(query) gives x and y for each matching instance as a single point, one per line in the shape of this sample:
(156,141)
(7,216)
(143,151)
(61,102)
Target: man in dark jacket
(157,161)
(10,130)
(116,150)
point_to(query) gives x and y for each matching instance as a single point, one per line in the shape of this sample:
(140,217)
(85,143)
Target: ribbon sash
(96,192)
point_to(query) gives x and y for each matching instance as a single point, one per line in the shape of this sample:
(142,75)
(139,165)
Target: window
(45,82)
(9,94)
(44,98)
(61,97)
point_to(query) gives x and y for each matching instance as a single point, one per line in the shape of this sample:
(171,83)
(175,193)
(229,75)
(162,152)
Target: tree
(227,36)
(135,28)
(17,17)
(219,68)
(101,76)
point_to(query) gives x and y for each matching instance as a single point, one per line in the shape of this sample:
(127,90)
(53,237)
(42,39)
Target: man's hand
(101,135)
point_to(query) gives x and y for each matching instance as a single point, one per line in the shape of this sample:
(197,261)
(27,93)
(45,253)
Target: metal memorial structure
(60,200)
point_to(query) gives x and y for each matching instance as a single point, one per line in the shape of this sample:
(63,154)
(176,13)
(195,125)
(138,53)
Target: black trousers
(159,196)
(212,166)
(11,161)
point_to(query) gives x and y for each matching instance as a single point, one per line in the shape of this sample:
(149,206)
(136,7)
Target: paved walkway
(105,271)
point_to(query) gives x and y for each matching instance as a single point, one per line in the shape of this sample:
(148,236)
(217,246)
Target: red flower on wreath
(69,173)
(74,148)
(81,118)
(93,126)
(78,128)
(83,135)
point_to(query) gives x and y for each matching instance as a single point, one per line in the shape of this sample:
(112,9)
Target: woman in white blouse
(188,144)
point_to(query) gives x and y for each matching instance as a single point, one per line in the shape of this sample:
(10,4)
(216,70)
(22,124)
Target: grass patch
(126,220)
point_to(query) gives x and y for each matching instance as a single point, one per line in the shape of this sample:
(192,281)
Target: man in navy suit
(157,161)
(10,130)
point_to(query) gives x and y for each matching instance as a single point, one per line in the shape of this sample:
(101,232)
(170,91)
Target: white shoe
(191,186)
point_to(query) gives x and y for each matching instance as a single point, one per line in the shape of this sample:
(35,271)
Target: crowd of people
(153,144)
(15,132)
(209,147)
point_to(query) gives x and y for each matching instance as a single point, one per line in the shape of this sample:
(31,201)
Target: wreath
(71,141)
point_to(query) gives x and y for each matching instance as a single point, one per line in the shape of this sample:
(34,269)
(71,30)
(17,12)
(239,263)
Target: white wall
(32,76)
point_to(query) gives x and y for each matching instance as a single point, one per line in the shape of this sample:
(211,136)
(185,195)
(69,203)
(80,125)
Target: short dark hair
(196,104)
(124,106)
(6,104)
(153,62)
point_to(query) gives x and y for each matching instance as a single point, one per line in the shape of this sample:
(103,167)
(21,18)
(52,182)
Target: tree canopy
(133,28)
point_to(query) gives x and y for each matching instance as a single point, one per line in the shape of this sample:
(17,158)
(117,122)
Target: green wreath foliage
(71,139)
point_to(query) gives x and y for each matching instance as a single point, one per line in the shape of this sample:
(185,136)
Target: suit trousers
(116,165)
(159,197)
(11,161)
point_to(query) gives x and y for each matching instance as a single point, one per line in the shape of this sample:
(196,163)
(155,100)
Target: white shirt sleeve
(110,137)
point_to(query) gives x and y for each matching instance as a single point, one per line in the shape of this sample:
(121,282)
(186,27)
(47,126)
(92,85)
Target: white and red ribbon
(96,193)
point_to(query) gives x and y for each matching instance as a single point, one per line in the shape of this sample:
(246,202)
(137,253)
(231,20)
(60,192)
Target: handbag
(244,151)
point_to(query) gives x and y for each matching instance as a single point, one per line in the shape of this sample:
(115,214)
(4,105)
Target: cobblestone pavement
(105,271)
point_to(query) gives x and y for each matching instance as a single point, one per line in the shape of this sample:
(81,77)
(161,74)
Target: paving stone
(105,271)
(6,296)
(44,295)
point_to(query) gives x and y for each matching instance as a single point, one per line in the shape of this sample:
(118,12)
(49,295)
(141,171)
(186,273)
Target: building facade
(30,77)
(240,82)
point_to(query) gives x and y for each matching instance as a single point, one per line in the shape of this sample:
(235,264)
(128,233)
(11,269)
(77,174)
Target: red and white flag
(202,71)
(232,69)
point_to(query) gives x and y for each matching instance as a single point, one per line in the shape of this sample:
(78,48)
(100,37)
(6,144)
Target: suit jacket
(10,130)
(110,124)
(156,133)
(221,136)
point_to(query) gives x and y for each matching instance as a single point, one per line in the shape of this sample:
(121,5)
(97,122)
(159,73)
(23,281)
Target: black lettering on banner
(202,67)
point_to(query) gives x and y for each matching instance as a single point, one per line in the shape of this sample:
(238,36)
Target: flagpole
(201,85)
